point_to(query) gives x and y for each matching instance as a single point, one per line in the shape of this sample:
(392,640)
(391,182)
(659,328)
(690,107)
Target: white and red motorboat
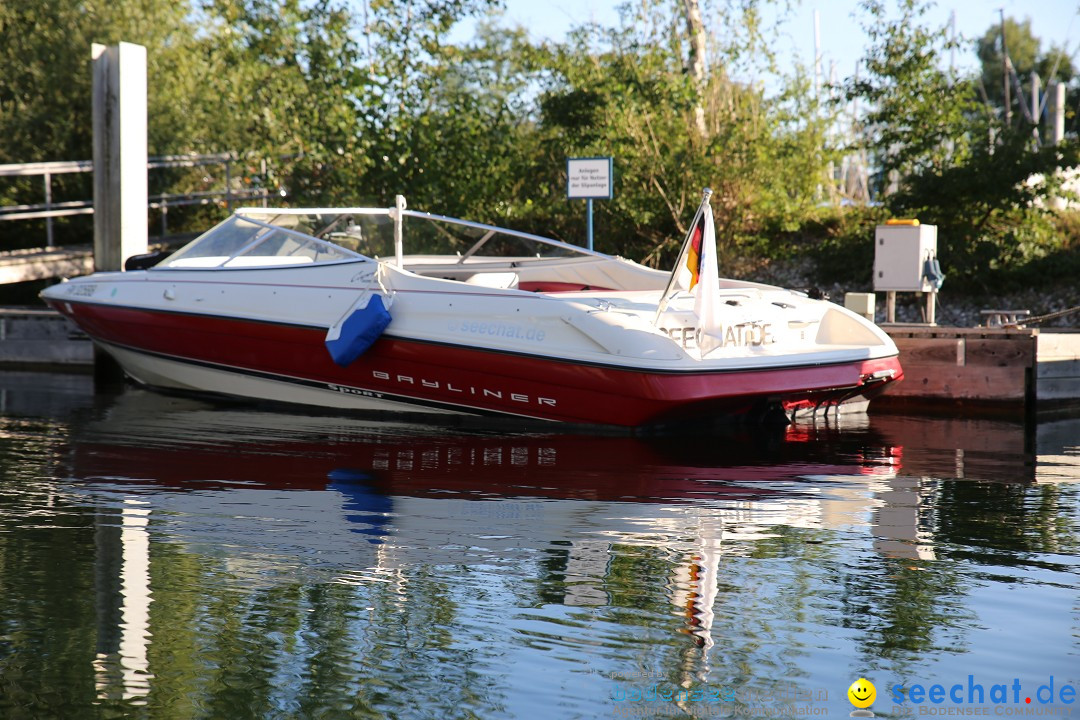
(323,307)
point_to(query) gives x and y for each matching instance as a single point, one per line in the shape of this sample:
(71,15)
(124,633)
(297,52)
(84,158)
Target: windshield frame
(258,216)
(573,249)
(267,231)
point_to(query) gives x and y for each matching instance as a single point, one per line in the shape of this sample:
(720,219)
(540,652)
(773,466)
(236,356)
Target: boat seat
(501,280)
(541,286)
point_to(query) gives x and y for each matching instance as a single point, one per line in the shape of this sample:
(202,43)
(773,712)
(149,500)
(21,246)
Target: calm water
(164,557)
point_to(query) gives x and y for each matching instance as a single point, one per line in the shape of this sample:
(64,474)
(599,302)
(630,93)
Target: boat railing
(432,217)
(505,231)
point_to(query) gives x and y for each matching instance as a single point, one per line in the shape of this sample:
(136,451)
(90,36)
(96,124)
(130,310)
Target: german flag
(693,252)
(695,271)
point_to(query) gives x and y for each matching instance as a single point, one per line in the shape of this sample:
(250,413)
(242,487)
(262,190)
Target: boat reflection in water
(329,499)
(366,500)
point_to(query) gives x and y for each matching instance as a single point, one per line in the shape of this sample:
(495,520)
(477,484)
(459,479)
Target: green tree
(1025,56)
(45,90)
(919,113)
(625,92)
(983,183)
(457,138)
(993,211)
(282,79)
(426,106)
(270,79)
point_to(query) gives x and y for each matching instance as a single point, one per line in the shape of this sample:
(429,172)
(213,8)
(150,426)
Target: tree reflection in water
(164,557)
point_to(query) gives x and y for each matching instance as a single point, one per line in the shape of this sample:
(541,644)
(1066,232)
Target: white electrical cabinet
(900,255)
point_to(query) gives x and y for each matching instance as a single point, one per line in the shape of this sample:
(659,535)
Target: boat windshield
(257,237)
(243,241)
(473,242)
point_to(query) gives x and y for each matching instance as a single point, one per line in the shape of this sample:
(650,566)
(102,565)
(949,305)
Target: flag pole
(666,297)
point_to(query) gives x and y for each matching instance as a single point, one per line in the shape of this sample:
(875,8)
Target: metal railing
(49,209)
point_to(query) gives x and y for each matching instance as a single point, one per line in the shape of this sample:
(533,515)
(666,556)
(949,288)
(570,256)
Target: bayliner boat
(324,307)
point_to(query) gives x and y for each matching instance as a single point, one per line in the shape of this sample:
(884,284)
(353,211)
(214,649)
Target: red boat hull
(473,379)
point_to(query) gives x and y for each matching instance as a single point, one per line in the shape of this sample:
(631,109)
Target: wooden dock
(42,339)
(18,266)
(985,370)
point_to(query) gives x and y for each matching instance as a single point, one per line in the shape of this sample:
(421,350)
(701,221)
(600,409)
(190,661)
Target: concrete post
(120,185)
(1057,113)
(1056,121)
(1036,96)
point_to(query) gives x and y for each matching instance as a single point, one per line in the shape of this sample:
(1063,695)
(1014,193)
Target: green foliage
(838,241)
(919,113)
(625,92)
(455,137)
(354,103)
(991,210)
(983,184)
(45,92)
(1058,263)
(281,77)
(1026,56)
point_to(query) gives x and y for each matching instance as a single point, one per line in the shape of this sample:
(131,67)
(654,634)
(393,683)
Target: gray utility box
(900,255)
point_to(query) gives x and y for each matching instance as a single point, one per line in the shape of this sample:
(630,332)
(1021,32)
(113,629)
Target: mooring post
(48,207)
(1056,126)
(120,184)
(1056,118)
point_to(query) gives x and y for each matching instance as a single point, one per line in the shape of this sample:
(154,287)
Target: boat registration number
(748,334)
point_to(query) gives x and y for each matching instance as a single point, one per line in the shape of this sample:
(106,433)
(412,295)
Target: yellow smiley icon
(862,693)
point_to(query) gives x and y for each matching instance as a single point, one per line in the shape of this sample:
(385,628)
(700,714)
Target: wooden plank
(927,331)
(1016,351)
(119,132)
(985,367)
(943,382)
(1013,352)
(949,351)
(52,352)
(39,265)
(43,336)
